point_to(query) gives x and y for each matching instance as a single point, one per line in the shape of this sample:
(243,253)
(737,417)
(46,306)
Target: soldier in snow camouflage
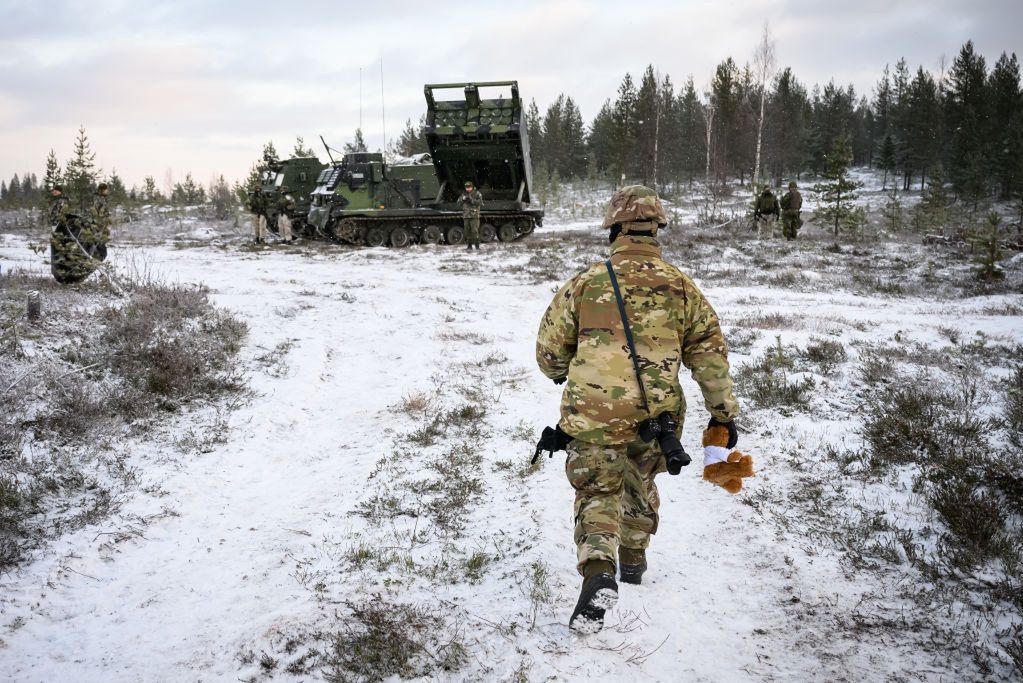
(581,341)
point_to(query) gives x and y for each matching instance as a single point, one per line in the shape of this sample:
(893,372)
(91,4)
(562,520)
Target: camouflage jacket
(792,201)
(59,210)
(471,203)
(101,217)
(767,204)
(581,337)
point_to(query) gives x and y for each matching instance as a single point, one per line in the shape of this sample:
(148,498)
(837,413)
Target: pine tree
(691,149)
(899,119)
(601,140)
(991,253)
(14,198)
(931,214)
(921,140)
(118,193)
(623,129)
(892,211)
(966,116)
(534,129)
(1006,140)
(646,114)
(886,160)
(301,150)
(358,144)
(553,145)
(412,139)
(573,135)
(725,103)
(786,125)
(80,173)
(837,193)
(269,154)
(150,194)
(221,197)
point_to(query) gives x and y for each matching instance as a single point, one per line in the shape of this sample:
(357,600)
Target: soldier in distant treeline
(791,204)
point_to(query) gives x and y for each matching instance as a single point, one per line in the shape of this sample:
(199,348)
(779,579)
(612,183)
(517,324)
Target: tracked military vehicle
(361,199)
(287,186)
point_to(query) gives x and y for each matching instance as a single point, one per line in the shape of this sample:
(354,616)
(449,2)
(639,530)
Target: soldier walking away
(285,206)
(791,203)
(471,202)
(257,206)
(616,335)
(765,211)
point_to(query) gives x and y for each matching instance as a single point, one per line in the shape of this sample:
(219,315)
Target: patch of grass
(769,321)
(476,566)
(766,384)
(381,639)
(741,340)
(826,354)
(974,520)
(171,343)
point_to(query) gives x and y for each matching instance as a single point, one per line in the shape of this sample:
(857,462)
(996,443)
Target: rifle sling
(628,334)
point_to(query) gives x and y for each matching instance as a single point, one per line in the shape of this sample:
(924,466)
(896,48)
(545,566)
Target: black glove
(733,435)
(559,380)
(552,439)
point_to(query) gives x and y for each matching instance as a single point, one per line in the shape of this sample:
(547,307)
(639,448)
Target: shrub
(826,354)
(171,342)
(383,639)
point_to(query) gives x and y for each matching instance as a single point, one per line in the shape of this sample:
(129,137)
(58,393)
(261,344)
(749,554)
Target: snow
(250,527)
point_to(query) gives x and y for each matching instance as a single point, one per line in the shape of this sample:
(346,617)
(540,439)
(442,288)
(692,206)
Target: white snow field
(384,463)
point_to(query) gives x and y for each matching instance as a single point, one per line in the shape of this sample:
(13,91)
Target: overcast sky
(168,87)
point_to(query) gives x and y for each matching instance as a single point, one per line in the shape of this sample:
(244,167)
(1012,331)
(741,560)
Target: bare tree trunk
(763,64)
(708,119)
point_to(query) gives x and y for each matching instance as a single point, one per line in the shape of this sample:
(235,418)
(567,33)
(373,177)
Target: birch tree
(763,70)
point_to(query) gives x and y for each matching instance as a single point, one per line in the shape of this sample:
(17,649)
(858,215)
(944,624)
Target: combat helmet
(57,188)
(792,185)
(635,204)
(469,183)
(103,188)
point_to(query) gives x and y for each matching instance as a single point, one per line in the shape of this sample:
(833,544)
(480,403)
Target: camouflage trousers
(766,224)
(790,224)
(616,499)
(284,227)
(259,226)
(472,230)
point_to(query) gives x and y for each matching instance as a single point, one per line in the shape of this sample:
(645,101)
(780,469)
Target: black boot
(631,565)
(599,594)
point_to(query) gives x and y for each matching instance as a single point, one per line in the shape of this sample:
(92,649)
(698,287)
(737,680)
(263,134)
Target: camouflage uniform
(766,210)
(471,202)
(791,203)
(258,208)
(97,236)
(284,208)
(581,337)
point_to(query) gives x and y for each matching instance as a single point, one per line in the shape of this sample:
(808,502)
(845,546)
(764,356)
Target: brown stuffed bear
(720,467)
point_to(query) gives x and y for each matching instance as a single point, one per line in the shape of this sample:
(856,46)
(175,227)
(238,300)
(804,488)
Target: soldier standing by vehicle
(765,211)
(285,205)
(257,205)
(471,202)
(791,203)
(617,335)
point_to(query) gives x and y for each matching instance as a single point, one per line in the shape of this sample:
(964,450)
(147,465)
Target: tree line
(963,126)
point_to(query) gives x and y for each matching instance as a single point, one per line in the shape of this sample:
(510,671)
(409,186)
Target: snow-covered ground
(333,490)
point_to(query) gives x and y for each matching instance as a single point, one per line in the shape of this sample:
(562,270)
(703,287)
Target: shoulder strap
(628,334)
